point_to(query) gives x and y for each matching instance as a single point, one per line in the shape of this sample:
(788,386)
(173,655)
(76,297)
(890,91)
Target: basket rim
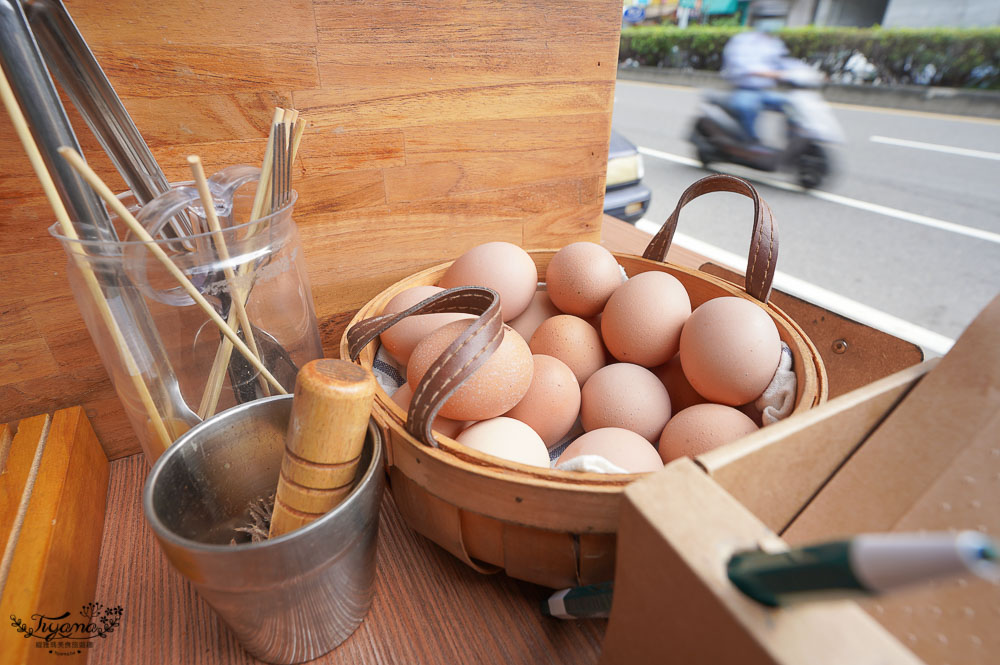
(454,453)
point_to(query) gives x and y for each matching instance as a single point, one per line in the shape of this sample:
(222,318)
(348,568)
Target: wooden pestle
(326,432)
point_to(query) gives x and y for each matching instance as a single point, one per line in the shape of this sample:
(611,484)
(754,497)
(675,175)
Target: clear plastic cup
(169,363)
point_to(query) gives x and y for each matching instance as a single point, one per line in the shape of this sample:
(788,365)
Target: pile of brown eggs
(648,379)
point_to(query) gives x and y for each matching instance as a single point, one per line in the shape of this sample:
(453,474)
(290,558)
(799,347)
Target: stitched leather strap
(463,357)
(763,244)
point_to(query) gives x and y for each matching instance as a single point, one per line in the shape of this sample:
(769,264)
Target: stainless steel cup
(290,599)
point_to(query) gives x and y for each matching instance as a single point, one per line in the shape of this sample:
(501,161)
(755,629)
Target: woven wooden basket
(554,528)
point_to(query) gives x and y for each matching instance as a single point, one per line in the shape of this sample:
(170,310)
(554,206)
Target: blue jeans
(748,103)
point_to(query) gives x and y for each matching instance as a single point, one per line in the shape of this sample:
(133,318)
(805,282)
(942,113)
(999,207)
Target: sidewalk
(957,101)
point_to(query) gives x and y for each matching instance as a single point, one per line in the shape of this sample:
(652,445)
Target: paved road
(903,237)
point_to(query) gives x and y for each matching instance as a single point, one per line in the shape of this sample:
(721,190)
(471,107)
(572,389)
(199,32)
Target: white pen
(866,564)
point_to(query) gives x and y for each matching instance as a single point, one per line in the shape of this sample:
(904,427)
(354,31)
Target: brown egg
(400,339)
(501,266)
(446,426)
(492,389)
(573,341)
(627,396)
(552,402)
(506,438)
(682,395)
(702,427)
(643,319)
(621,447)
(730,350)
(539,309)
(581,277)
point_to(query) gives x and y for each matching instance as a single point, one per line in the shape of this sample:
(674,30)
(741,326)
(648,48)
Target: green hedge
(928,56)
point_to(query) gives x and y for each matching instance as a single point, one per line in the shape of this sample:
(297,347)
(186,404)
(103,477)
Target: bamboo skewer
(213,387)
(236,295)
(78,163)
(89,278)
(300,128)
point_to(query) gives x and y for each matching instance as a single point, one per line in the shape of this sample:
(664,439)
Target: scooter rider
(752,61)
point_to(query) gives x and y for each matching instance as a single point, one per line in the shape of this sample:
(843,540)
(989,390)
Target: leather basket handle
(763,243)
(451,369)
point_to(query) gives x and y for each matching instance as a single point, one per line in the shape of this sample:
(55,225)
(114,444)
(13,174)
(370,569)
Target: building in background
(931,13)
(859,13)
(891,13)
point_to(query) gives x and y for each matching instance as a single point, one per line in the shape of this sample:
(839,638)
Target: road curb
(957,101)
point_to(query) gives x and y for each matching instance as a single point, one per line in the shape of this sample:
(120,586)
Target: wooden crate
(53,488)
(916,450)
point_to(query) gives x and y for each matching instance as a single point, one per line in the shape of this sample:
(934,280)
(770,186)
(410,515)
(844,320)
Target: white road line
(895,213)
(869,316)
(936,147)
(668,156)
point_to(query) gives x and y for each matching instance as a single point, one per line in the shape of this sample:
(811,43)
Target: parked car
(625,196)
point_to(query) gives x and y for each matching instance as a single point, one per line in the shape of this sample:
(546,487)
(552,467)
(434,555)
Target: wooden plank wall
(436,125)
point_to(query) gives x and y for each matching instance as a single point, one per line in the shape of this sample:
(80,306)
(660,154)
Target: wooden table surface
(428,607)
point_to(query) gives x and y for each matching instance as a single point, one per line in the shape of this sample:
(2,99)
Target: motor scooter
(810,124)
